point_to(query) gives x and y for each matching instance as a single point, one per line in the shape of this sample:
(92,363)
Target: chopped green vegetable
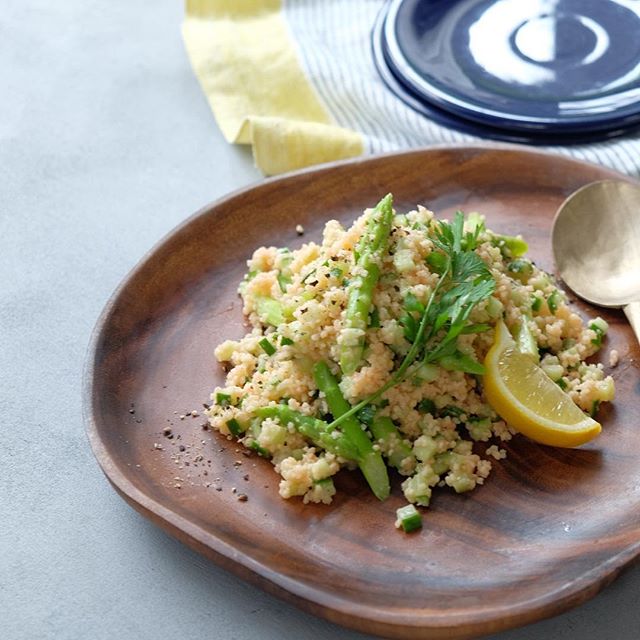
(479,428)
(270,310)
(521,269)
(252,441)
(283,281)
(403,260)
(392,443)
(309,275)
(408,518)
(474,222)
(525,341)
(223,399)
(426,406)
(374,318)
(261,451)
(494,308)
(366,414)
(327,483)
(552,301)
(234,427)
(286,342)
(550,364)
(601,324)
(267,347)
(536,303)
(599,330)
(511,246)
(427,372)
(450,411)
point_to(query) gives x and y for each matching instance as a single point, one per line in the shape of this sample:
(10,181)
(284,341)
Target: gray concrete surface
(106,143)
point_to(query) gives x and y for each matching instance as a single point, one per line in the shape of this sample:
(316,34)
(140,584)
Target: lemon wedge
(528,400)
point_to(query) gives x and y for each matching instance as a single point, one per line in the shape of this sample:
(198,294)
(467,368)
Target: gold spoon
(596,245)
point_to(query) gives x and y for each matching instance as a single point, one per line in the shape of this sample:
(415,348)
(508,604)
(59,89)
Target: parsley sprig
(433,329)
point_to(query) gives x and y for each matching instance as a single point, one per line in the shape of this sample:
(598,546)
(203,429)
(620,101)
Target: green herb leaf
(410,326)
(426,406)
(450,411)
(366,414)
(468,266)
(437,262)
(374,318)
(411,303)
(476,328)
(462,362)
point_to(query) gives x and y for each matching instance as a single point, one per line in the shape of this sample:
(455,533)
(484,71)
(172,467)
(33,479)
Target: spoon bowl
(596,245)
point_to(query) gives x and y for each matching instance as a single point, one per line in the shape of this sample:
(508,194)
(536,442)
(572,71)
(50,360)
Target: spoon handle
(632,311)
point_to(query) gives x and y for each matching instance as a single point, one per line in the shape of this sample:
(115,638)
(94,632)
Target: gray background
(106,143)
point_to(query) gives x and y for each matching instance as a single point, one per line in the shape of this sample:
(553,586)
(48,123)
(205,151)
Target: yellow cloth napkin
(297,80)
(248,67)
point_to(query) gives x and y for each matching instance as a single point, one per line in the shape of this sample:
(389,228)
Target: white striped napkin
(330,41)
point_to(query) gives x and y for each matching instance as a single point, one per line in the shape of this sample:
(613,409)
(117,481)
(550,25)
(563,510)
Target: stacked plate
(541,71)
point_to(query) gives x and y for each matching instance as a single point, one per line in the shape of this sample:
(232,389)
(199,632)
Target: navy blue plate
(447,119)
(516,70)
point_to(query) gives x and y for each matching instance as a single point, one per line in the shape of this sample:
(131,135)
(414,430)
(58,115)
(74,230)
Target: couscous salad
(398,342)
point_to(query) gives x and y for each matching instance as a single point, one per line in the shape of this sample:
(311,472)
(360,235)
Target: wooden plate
(549,529)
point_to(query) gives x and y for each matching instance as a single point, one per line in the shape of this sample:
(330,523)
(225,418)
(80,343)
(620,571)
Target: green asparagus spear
(370,461)
(369,251)
(316,430)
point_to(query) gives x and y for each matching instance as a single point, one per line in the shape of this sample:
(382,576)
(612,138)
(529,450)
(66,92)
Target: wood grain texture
(549,529)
